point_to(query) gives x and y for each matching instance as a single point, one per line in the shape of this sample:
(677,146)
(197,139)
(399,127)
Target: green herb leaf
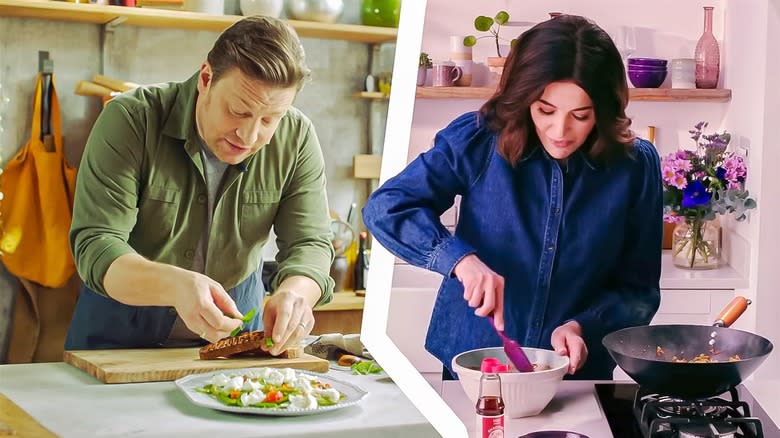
(248,317)
(366,367)
(269,342)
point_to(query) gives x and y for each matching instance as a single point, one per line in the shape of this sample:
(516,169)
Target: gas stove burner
(712,408)
(661,416)
(707,431)
(636,413)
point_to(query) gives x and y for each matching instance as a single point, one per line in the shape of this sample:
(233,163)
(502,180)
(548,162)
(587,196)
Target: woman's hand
(482,288)
(567,340)
(204,306)
(288,318)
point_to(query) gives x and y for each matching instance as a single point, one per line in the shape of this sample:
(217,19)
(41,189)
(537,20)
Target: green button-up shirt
(141,188)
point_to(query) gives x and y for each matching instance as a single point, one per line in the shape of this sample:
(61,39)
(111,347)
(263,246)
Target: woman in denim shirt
(560,218)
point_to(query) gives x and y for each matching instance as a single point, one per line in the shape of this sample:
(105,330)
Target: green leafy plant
(491,25)
(425,60)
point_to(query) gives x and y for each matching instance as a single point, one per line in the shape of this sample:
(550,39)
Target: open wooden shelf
(635,94)
(149,17)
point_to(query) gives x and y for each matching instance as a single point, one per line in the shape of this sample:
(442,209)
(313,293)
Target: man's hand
(201,302)
(287,315)
(567,340)
(205,307)
(482,288)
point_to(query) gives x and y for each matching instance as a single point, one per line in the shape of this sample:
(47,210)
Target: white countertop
(725,277)
(576,408)
(71,403)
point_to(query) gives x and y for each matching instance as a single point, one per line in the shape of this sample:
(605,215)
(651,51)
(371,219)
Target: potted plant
(492,25)
(699,185)
(422,70)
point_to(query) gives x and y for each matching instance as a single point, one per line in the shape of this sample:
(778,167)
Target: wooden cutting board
(15,421)
(166,364)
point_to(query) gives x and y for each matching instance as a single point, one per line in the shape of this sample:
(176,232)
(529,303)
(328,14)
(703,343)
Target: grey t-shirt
(214,170)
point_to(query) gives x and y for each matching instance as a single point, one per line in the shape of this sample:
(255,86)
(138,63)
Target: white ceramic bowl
(525,394)
(269,8)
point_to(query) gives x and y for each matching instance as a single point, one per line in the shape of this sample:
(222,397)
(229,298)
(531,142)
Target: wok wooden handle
(732,311)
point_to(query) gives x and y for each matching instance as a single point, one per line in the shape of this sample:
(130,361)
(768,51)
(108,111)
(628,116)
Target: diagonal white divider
(380,276)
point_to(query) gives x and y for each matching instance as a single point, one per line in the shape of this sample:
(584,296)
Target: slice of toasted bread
(244,344)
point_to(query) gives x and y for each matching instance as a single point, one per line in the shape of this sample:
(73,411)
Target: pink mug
(445,74)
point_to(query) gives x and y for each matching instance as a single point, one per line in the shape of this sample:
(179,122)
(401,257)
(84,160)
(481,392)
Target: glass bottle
(361,264)
(490,404)
(707,55)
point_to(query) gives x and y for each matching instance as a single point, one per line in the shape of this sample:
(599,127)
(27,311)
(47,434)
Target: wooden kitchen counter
(344,314)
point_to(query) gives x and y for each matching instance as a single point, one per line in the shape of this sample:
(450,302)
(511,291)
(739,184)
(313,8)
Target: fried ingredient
(701,358)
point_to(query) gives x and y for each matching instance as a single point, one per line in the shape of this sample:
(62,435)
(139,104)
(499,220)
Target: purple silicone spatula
(513,351)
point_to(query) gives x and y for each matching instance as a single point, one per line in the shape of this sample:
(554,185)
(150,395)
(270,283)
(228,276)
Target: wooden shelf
(635,94)
(149,17)
(374,95)
(680,94)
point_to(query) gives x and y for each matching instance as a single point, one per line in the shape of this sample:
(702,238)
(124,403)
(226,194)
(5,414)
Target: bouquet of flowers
(700,184)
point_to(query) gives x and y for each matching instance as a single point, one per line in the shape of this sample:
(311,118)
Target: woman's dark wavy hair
(567,48)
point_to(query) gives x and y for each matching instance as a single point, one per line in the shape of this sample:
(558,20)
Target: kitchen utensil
(353,395)
(165,364)
(513,351)
(525,394)
(635,350)
(343,235)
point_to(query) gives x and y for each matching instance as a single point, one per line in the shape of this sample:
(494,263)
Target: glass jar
(696,244)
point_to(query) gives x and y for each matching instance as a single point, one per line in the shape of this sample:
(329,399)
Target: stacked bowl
(646,72)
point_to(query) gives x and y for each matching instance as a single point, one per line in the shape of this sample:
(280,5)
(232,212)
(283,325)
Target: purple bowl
(647,79)
(647,61)
(645,68)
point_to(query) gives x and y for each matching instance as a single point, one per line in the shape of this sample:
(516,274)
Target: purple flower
(695,195)
(673,218)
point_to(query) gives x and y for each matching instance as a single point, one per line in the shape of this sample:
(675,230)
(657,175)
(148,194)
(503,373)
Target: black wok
(635,350)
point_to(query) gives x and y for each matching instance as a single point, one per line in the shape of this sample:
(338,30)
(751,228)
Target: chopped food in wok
(701,358)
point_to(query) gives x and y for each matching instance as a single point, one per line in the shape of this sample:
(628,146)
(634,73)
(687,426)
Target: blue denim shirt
(100,322)
(581,243)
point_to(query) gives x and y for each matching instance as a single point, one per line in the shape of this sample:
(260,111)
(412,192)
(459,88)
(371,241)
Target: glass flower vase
(696,244)
(707,55)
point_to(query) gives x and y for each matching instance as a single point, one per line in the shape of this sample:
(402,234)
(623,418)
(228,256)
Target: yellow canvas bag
(39,186)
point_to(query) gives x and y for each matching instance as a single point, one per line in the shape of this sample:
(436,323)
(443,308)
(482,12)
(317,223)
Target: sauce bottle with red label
(490,404)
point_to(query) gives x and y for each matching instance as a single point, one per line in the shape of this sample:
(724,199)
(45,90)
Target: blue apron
(100,322)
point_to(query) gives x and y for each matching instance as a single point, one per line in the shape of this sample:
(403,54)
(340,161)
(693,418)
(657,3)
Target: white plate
(187,384)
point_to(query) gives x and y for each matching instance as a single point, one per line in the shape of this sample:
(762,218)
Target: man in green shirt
(178,188)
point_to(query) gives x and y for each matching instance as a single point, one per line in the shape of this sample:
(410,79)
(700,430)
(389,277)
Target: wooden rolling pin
(87,88)
(113,84)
